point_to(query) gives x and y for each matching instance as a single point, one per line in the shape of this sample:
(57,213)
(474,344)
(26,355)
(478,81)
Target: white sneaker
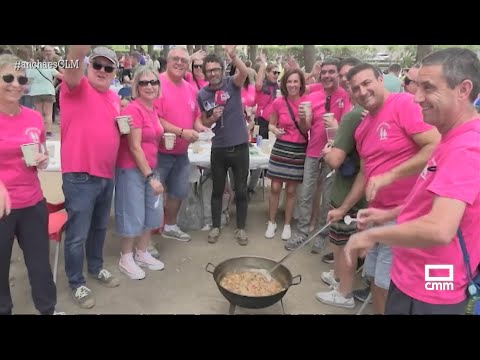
(287,232)
(174,232)
(271,228)
(145,259)
(328,277)
(130,268)
(334,298)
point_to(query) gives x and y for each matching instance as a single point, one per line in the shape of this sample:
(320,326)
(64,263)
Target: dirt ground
(183,287)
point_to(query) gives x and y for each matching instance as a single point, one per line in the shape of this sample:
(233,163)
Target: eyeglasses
(178,58)
(328,103)
(216,70)
(22,80)
(144,83)
(276,72)
(98,66)
(196,66)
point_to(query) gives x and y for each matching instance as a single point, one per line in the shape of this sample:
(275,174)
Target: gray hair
(139,72)
(458,65)
(11,60)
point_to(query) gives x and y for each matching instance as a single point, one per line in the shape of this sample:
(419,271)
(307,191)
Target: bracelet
(149,177)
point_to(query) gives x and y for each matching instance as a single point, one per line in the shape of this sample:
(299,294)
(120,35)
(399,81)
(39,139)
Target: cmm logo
(435,283)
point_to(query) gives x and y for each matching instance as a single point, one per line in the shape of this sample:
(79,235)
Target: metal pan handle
(299,277)
(206,268)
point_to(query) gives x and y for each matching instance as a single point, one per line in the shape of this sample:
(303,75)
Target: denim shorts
(137,208)
(378,263)
(174,173)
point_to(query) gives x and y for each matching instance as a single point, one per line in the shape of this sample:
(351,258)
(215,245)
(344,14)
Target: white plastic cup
(328,116)
(169,140)
(307,108)
(30,153)
(123,126)
(331,133)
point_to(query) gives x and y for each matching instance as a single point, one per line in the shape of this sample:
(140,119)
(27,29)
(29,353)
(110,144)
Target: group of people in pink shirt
(417,161)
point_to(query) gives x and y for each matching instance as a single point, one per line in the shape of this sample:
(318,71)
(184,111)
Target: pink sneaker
(145,259)
(128,266)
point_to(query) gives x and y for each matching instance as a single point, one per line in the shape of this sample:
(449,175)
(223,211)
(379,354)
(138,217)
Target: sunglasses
(22,80)
(108,69)
(144,83)
(197,66)
(328,103)
(276,72)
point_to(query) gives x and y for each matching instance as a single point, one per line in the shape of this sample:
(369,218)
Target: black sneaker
(328,258)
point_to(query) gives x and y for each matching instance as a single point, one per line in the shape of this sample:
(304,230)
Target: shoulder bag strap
(293,119)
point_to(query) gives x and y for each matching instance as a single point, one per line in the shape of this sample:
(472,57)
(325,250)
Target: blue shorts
(137,208)
(378,263)
(174,173)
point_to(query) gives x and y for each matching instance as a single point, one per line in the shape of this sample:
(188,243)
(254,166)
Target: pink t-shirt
(152,131)
(21,181)
(177,104)
(454,170)
(385,141)
(339,105)
(279,107)
(264,101)
(191,81)
(89,133)
(248,96)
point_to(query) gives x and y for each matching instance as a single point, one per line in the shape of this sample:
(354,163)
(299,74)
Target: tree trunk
(166,48)
(422,51)
(219,51)
(190,49)
(252,52)
(132,48)
(309,57)
(150,50)
(205,48)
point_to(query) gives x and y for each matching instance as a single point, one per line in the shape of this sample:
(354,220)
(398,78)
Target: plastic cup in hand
(328,116)
(307,108)
(169,140)
(331,133)
(123,126)
(30,153)
(348,219)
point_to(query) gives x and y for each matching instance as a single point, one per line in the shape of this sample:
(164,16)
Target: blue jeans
(88,201)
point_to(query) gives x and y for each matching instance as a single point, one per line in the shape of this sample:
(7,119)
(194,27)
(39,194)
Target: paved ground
(183,287)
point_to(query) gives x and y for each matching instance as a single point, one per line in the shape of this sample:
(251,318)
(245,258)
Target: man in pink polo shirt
(444,201)
(394,144)
(90,142)
(329,98)
(180,115)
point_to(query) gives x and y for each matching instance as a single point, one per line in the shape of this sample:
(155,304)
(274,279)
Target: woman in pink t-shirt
(288,154)
(196,77)
(22,128)
(138,190)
